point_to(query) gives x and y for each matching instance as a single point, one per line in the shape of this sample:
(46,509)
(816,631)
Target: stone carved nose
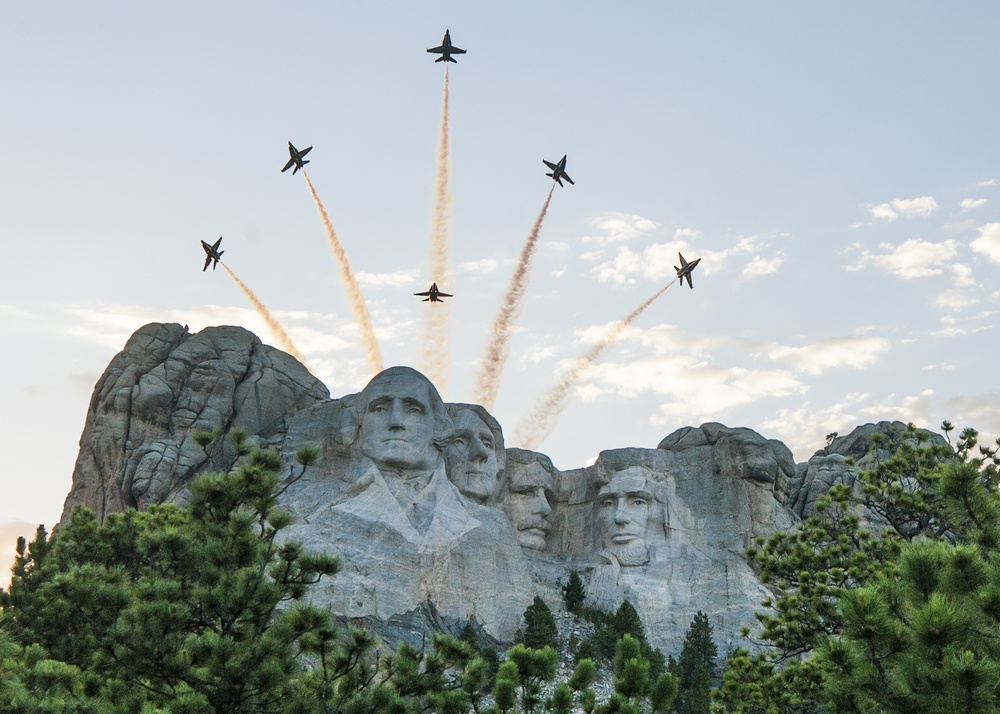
(621,518)
(396,414)
(542,505)
(477,451)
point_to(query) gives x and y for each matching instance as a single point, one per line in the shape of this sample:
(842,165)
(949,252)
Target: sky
(836,167)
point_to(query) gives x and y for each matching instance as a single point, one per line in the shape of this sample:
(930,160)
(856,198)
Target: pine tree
(696,668)
(574,593)
(539,625)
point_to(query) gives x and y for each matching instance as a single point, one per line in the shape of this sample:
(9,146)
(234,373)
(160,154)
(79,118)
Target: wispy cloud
(856,352)
(914,258)
(759,266)
(987,182)
(988,242)
(968,203)
(398,279)
(803,429)
(905,207)
(478,267)
(657,262)
(619,227)
(963,292)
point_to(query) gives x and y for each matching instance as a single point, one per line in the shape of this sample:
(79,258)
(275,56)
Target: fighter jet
(446,49)
(296,159)
(433,295)
(558,170)
(685,270)
(212,252)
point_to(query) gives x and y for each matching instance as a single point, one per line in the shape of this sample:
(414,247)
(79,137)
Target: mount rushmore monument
(437,523)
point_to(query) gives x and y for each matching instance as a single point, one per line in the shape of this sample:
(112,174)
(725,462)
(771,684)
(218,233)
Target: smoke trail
(354,296)
(498,349)
(437,318)
(284,341)
(541,420)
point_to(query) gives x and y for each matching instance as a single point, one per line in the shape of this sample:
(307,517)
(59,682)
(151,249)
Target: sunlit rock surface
(438,523)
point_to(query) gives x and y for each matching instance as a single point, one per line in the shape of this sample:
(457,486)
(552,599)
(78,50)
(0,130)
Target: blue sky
(835,166)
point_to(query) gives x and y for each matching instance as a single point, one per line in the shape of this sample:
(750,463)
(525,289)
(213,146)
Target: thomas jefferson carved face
(624,505)
(472,456)
(398,421)
(526,504)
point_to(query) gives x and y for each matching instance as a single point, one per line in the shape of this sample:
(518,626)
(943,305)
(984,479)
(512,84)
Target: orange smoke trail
(498,349)
(437,318)
(354,296)
(541,420)
(284,341)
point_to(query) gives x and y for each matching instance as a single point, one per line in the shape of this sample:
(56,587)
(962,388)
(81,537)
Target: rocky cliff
(437,523)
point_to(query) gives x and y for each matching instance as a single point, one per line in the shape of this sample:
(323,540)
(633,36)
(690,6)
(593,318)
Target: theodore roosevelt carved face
(525,500)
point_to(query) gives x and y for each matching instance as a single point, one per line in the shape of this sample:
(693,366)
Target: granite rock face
(137,446)
(437,522)
(841,461)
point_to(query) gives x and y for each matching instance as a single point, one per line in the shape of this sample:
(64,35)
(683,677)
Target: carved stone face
(397,423)
(624,505)
(526,504)
(472,457)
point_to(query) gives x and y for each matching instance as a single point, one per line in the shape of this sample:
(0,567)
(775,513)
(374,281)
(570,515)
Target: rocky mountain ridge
(437,523)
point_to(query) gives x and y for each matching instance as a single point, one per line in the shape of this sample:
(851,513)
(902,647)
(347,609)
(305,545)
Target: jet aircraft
(296,158)
(446,49)
(558,170)
(433,295)
(685,270)
(212,253)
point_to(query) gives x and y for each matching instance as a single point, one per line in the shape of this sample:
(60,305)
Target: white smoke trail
(541,420)
(284,341)
(498,349)
(354,297)
(436,342)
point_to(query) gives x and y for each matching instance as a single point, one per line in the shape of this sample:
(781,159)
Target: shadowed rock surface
(664,527)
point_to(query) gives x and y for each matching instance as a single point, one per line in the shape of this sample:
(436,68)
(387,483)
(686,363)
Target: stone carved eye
(639,502)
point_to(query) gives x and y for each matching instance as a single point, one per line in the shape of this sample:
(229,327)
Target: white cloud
(914,258)
(856,352)
(535,356)
(619,227)
(968,203)
(803,429)
(964,290)
(987,182)
(759,266)
(478,267)
(905,207)
(400,278)
(988,242)
(658,261)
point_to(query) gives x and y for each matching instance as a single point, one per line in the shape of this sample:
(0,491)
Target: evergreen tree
(574,593)
(196,607)
(539,625)
(923,491)
(696,668)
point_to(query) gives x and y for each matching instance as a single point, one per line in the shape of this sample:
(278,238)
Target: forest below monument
(886,599)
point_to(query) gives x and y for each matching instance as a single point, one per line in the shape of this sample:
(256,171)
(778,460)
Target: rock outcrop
(437,523)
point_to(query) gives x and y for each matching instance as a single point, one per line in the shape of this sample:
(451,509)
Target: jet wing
(304,152)
(288,165)
(688,276)
(566,176)
(208,261)
(422,294)
(441,295)
(217,244)
(550,164)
